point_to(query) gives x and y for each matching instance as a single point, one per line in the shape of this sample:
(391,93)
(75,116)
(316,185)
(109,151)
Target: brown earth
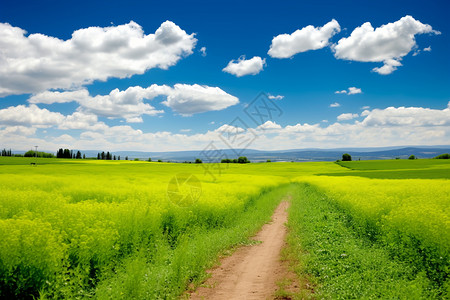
(252,272)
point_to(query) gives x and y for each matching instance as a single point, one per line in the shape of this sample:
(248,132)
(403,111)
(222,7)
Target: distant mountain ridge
(291,155)
(308,154)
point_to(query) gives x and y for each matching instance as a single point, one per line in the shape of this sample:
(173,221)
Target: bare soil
(251,272)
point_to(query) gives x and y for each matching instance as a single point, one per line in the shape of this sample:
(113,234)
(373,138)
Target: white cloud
(302,40)
(390,65)
(277,97)
(242,66)
(427,49)
(407,116)
(269,125)
(229,129)
(301,128)
(83,121)
(129,104)
(387,43)
(380,127)
(346,117)
(17,131)
(36,62)
(35,117)
(49,97)
(193,99)
(351,91)
(29,115)
(203,51)
(354,90)
(335,104)
(185,130)
(365,107)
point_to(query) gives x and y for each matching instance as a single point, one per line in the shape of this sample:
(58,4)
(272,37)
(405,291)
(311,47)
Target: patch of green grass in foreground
(338,262)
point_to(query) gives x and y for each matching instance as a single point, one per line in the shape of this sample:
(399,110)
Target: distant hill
(293,155)
(310,154)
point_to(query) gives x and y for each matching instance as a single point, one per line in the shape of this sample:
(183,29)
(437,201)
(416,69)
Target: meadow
(110,229)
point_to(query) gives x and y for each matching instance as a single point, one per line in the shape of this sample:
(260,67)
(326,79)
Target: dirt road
(252,271)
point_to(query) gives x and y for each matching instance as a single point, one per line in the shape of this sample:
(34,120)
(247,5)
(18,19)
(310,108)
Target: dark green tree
(67,154)
(346,157)
(198,161)
(243,160)
(78,155)
(412,157)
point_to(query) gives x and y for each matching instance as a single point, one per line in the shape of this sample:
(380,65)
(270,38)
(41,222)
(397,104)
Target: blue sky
(56,87)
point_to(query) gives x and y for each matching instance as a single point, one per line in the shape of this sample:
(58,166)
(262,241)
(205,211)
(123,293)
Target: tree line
(108,156)
(6,152)
(66,153)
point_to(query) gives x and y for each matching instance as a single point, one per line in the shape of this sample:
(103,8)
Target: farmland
(110,229)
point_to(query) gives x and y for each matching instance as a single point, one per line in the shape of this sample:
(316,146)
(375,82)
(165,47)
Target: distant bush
(443,156)
(32,153)
(240,160)
(269,160)
(346,157)
(198,161)
(412,157)
(159,160)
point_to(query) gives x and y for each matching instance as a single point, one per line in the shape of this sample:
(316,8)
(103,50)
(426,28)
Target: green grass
(341,264)
(395,164)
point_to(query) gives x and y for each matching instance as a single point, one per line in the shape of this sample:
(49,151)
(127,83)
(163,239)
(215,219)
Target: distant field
(109,229)
(397,169)
(396,164)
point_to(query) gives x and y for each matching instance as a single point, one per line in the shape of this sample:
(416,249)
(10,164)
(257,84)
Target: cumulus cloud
(354,90)
(129,104)
(302,128)
(380,127)
(193,99)
(335,104)
(269,125)
(388,43)
(347,116)
(407,116)
(35,117)
(351,91)
(390,65)
(427,49)
(50,97)
(37,62)
(302,40)
(22,115)
(229,129)
(242,66)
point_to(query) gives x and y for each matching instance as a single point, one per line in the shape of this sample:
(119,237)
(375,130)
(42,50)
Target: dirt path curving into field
(252,271)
